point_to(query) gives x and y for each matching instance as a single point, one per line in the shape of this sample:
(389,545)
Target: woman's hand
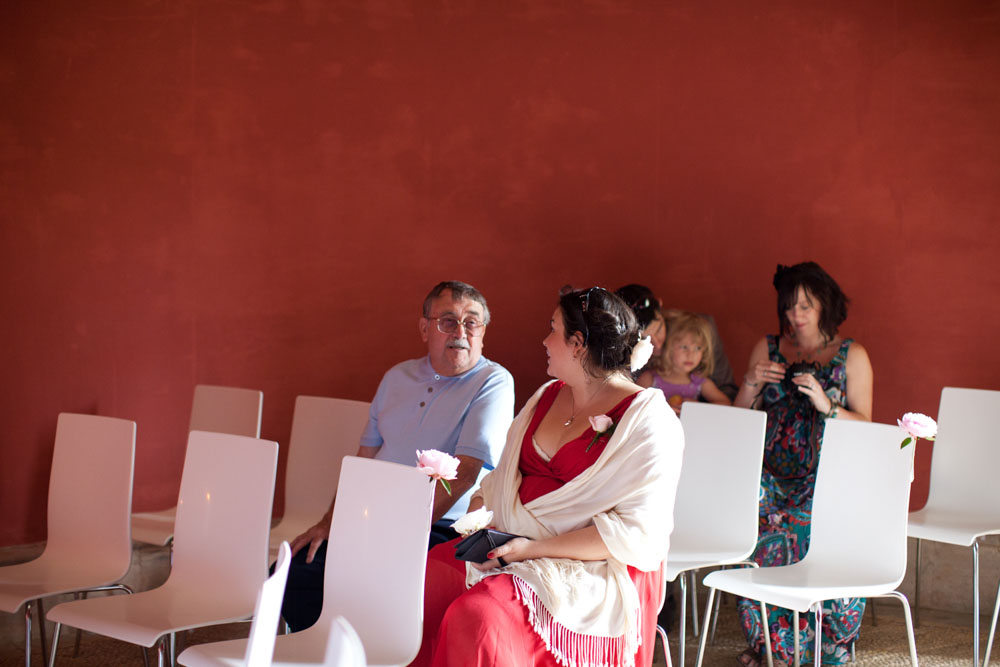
(517,549)
(765,371)
(810,386)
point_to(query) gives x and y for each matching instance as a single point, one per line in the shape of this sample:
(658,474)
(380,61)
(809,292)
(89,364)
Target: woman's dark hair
(819,286)
(607,325)
(642,301)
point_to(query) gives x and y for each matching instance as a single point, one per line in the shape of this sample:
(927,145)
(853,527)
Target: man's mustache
(459,344)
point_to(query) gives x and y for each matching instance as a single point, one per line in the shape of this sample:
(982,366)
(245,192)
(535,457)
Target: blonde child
(685,363)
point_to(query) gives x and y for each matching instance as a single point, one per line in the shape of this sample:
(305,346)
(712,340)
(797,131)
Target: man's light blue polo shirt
(468,414)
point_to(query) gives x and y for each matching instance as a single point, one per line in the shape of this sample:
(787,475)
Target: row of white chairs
(858,540)
(715,517)
(373,595)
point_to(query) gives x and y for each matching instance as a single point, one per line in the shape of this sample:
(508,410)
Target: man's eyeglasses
(449,325)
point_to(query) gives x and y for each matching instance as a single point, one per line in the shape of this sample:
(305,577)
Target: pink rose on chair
(917,425)
(438,465)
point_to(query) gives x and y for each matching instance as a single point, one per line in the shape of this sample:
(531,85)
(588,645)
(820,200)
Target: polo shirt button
(422,404)
(430,389)
(437,377)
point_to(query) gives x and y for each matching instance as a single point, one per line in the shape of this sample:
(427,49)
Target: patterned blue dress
(791,454)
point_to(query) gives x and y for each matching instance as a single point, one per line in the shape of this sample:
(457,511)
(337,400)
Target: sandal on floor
(749,658)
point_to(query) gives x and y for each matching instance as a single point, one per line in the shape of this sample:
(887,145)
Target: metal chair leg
(666,645)
(27,634)
(909,623)
(694,602)
(817,651)
(41,627)
(993,629)
(704,635)
(916,588)
(682,638)
(55,644)
(795,631)
(975,603)
(767,633)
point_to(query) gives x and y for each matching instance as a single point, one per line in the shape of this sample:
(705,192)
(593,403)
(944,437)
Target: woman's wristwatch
(832,414)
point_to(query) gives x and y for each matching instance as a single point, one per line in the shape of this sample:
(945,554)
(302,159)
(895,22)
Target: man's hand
(313,537)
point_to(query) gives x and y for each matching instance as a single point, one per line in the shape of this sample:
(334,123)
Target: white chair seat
(961,527)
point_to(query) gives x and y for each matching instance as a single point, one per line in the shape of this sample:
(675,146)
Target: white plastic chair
(260,644)
(375,562)
(216,409)
(715,510)
(220,549)
(324,431)
(963,504)
(90,497)
(857,545)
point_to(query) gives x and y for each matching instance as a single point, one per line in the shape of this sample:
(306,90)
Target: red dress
(487,625)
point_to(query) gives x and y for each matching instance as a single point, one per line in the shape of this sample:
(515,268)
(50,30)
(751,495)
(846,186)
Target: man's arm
(320,531)
(468,473)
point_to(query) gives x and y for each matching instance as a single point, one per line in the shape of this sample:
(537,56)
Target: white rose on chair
(438,465)
(917,425)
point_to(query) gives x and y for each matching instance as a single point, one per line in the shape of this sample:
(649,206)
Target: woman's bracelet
(747,382)
(832,414)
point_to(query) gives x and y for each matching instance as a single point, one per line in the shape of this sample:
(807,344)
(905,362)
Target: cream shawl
(587,612)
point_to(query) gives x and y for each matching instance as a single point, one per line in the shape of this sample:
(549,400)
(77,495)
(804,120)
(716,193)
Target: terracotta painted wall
(260,193)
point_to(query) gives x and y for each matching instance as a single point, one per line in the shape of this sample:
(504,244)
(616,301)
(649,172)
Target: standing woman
(802,377)
(587,478)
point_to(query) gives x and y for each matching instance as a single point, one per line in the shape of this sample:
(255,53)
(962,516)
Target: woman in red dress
(587,478)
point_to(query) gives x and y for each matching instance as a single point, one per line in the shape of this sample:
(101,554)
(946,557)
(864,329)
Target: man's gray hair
(459,290)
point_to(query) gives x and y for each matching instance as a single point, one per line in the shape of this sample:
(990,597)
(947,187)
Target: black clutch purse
(475,547)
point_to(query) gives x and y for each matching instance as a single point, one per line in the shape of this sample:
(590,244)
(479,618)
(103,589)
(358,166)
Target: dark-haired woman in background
(802,377)
(582,586)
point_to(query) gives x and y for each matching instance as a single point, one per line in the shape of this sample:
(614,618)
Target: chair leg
(817,651)
(55,644)
(993,629)
(909,623)
(767,633)
(694,601)
(27,634)
(682,636)
(795,631)
(916,588)
(975,603)
(41,627)
(704,635)
(666,645)
(161,651)
(871,603)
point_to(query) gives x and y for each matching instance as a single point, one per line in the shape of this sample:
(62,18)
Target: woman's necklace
(590,400)
(803,353)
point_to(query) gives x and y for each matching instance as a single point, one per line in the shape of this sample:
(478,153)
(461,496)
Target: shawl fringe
(573,649)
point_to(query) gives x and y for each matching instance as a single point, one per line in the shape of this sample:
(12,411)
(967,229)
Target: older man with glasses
(453,400)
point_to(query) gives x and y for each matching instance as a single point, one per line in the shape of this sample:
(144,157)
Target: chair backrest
(377,555)
(226,410)
(860,505)
(343,646)
(224,513)
(90,490)
(966,456)
(716,504)
(260,645)
(324,431)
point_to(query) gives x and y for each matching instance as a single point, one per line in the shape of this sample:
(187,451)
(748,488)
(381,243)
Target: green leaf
(905,442)
(446,485)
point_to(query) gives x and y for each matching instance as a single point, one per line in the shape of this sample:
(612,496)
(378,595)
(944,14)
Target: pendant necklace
(591,400)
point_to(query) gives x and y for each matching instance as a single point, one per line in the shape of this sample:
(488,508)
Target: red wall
(260,193)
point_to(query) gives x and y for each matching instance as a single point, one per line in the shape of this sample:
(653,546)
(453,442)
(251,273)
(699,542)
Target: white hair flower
(641,353)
